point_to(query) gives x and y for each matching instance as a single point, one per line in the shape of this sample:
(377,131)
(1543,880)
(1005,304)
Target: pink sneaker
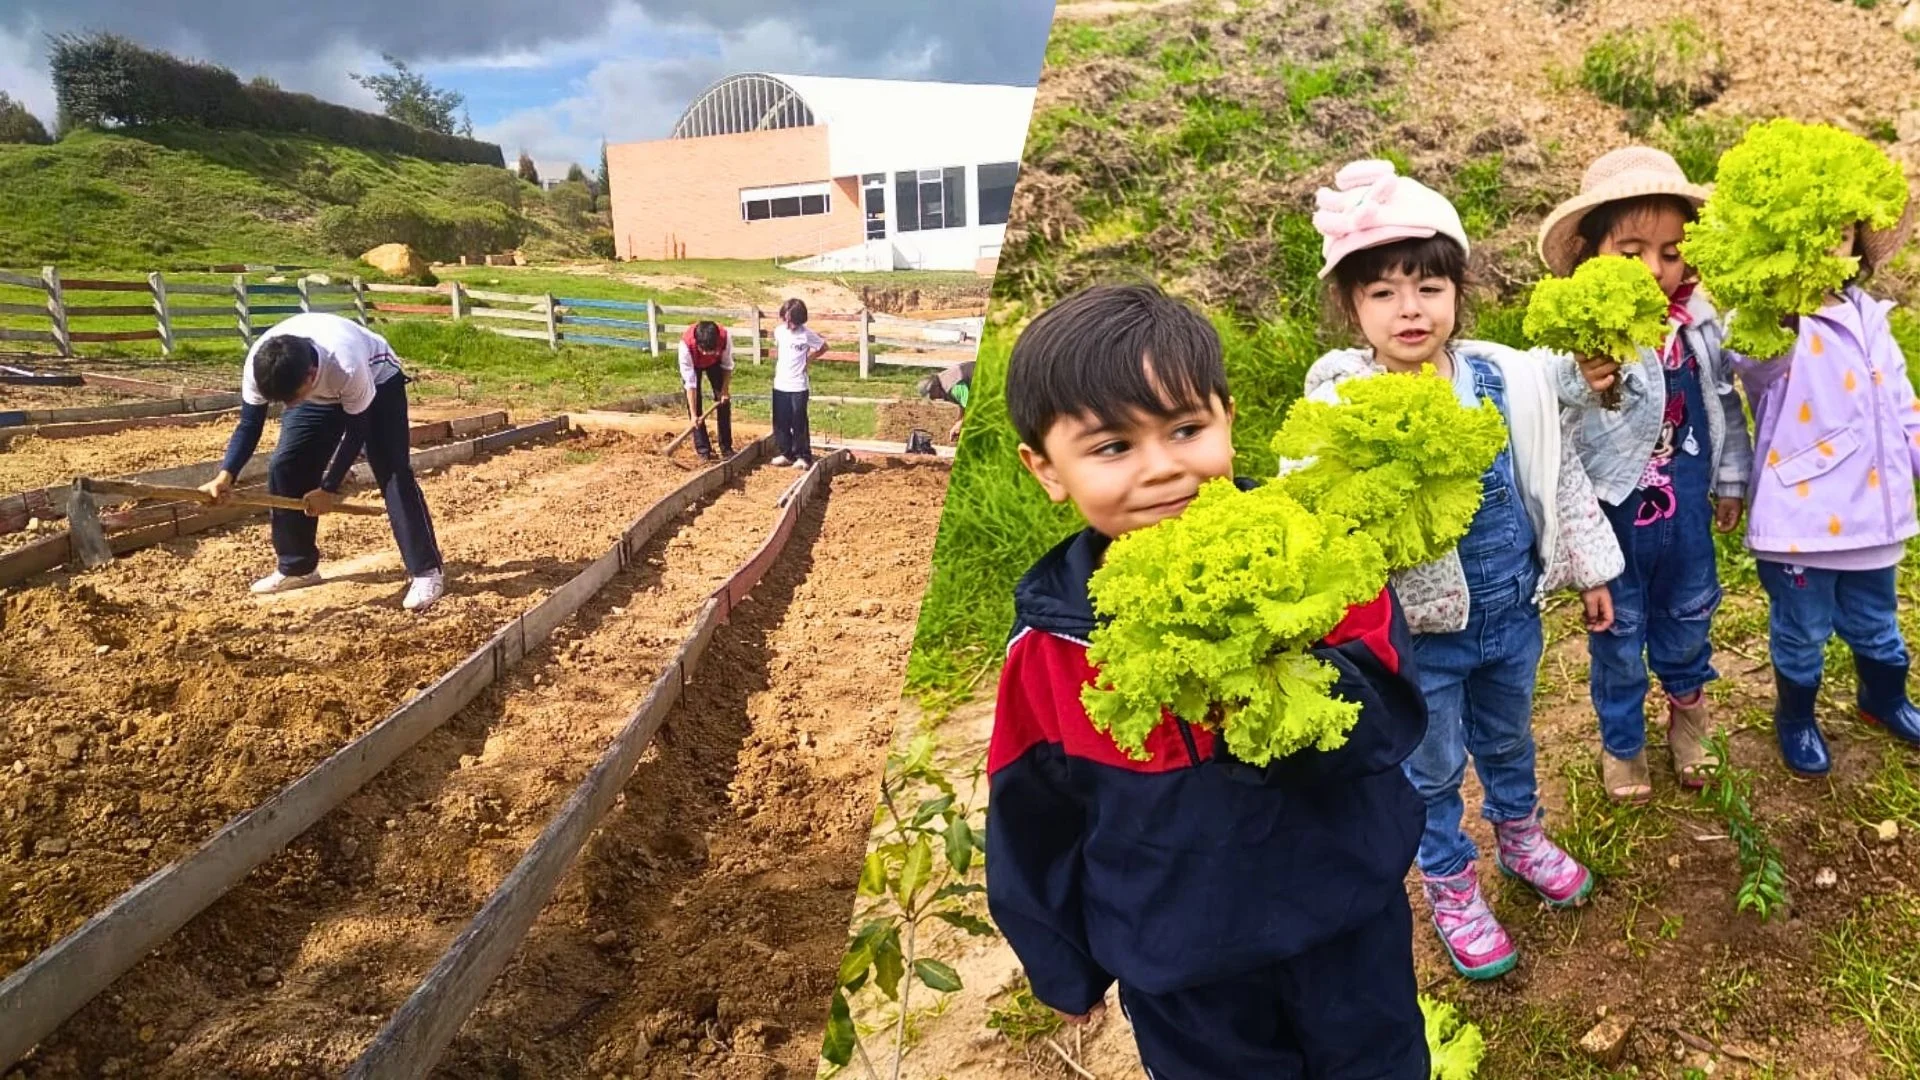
(1473,938)
(1526,853)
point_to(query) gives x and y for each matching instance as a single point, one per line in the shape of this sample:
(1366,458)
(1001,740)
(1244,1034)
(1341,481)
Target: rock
(1887,831)
(1825,878)
(266,976)
(396,259)
(1908,19)
(1606,1043)
(139,844)
(1907,127)
(320,279)
(51,845)
(102,650)
(67,747)
(606,939)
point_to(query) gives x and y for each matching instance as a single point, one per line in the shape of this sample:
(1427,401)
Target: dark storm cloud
(976,40)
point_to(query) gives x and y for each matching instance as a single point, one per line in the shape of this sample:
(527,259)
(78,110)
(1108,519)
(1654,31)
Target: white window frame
(821,189)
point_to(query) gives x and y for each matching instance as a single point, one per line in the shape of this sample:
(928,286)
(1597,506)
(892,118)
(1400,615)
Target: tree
(606,180)
(466,124)
(576,174)
(409,98)
(17,125)
(527,172)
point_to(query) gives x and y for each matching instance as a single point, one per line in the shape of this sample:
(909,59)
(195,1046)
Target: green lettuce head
(1399,456)
(1784,198)
(1210,615)
(1611,306)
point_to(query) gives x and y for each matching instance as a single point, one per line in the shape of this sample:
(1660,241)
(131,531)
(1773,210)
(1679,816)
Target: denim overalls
(1663,603)
(1479,681)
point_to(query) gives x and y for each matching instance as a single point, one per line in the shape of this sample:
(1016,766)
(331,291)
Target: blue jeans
(1479,688)
(1809,606)
(791,439)
(1663,605)
(309,435)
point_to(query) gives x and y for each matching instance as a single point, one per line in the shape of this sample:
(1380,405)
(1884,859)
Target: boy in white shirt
(342,388)
(794,347)
(707,349)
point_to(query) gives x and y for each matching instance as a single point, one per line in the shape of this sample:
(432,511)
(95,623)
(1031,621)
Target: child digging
(1838,427)
(1668,465)
(1256,920)
(1397,255)
(706,350)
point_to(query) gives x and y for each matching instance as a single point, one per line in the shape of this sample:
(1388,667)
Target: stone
(139,845)
(51,845)
(1825,878)
(1907,126)
(1887,831)
(1908,20)
(266,976)
(67,747)
(398,260)
(1606,1042)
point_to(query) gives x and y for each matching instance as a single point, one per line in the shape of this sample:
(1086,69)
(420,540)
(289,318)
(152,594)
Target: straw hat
(1627,173)
(1879,245)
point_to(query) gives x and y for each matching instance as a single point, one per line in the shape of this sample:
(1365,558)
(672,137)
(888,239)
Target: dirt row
(701,929)
(294,972)
(29,464)
(144,704)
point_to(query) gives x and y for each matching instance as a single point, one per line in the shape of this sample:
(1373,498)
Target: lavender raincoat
(1837,436)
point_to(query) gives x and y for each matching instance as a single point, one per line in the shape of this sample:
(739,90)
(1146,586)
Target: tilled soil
(700,931)
(15,396)
(294,972)
(896,420)
(29,464)
(144,704)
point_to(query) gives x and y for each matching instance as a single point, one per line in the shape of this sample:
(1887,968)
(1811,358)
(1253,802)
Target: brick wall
(686,192)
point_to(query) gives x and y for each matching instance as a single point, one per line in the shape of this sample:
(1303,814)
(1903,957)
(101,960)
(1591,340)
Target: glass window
(757,210)
(906,200)
(788,207)
(813,204)
(955,182)
(996,191)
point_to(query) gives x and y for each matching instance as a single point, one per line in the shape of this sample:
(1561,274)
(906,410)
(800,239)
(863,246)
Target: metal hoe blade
(84,530)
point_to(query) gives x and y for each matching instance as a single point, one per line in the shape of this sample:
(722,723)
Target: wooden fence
(863,337)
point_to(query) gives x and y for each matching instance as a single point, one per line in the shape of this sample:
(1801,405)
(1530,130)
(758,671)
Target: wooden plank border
(51,987)
(419,1032)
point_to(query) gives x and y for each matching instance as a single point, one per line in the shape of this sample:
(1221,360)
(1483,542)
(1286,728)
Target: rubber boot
(1883,699)
(1802,747)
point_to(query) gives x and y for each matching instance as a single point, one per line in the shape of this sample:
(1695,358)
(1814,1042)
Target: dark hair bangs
(1112,353)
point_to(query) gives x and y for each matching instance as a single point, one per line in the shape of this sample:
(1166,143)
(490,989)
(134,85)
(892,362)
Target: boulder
(398,260)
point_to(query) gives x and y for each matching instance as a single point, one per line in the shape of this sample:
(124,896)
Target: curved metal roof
(742,103)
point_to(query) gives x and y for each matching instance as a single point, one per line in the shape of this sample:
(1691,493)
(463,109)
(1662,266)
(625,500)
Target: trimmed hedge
(103,79)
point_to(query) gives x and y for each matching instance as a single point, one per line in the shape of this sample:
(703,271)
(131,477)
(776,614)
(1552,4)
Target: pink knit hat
(1369,205)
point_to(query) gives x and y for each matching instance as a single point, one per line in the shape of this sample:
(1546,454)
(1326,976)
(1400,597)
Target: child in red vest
(706,349)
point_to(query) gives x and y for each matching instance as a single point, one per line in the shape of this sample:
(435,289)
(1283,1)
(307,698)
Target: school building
(832,173)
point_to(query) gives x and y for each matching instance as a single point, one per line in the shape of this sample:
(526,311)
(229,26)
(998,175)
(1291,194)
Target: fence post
(306,303)
(553,323)
(866,341)
(457,306)
(157,284)
(360,299)
(653,326)
(57,309)
(242,314)
(756,336)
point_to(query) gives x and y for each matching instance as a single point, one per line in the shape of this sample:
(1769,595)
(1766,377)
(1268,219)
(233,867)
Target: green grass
(168,197)
(1655,71)
(1874,976)
(1609,838)
(1534,1040)
(1697,141)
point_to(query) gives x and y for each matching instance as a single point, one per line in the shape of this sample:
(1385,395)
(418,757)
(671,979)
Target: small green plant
(1729,792)
(1697,141)
(917,872)
(1662,70)
(1871,960)
(1022,1018)
(1883,130)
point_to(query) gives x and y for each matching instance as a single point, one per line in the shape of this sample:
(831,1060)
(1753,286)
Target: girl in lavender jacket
(1836,451)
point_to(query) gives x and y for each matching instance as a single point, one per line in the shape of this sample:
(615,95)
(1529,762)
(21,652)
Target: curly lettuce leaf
(1209,616)
(1399,456)
(1783,199)
(1611,306)
(1455,1045)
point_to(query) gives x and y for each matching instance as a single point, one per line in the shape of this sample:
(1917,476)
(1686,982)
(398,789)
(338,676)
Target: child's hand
(1726,514)
(1085,1018)
(1601,372)
(1599,603)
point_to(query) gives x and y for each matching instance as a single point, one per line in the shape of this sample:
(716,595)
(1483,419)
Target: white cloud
(23,71)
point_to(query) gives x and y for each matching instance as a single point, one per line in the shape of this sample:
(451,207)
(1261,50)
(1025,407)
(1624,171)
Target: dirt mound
(894,421)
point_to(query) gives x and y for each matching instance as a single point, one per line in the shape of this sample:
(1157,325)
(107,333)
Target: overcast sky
(553,76)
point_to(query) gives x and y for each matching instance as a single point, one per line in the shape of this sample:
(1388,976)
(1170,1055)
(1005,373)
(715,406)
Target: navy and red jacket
(1192,867)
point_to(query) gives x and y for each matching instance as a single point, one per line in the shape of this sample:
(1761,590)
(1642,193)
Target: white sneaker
(780,461)
(424,590)
(279,582)
(802,465)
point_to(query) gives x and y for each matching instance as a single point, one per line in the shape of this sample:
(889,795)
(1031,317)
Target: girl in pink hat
(1667,465)
(1397,256)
